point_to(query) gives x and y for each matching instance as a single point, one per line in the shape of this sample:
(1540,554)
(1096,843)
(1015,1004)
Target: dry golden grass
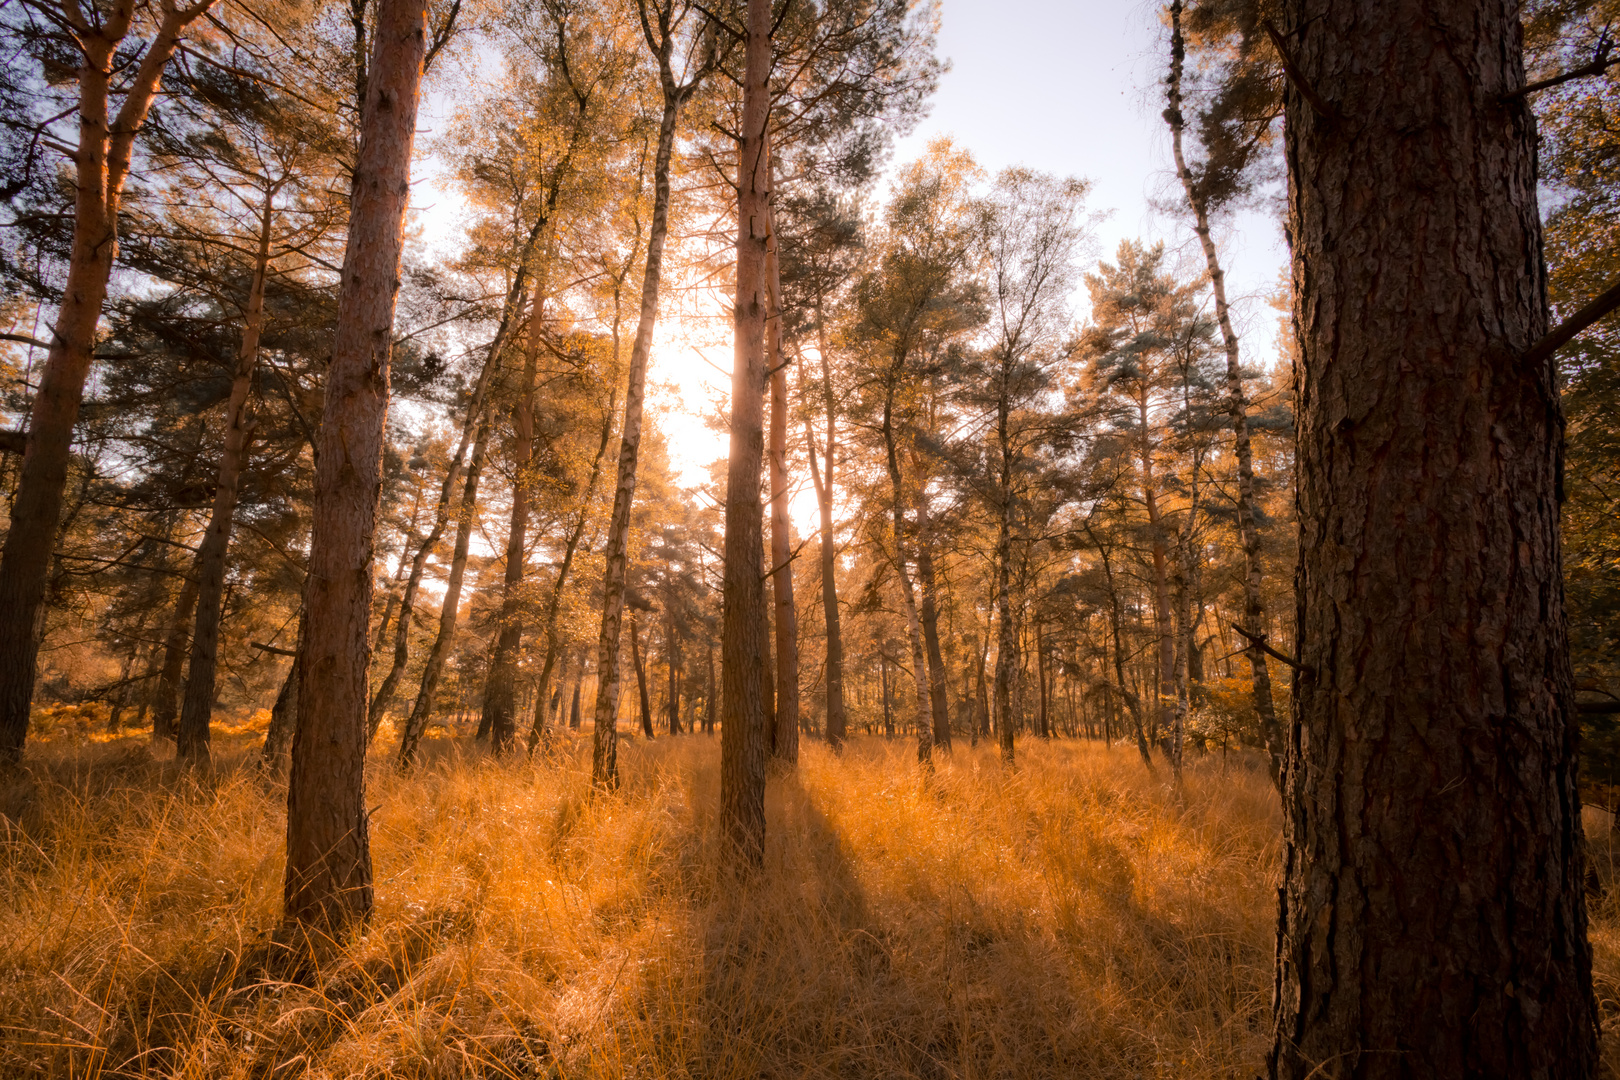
(1074,918)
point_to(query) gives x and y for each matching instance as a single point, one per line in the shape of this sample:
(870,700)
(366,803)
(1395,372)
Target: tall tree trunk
(1040,678)
(1433,916)
(384,697)
(616,550)
(101,163)
(450,608)
(167,705)
(711,700)
(328,880)
(786,743)
(1163,622)
(500,687)
(837,715)
(672,657)
(939,703)
(641,678)
(284,713)
(1254,608)
(908,598)
(1007,633)
(744,737)
(198,705)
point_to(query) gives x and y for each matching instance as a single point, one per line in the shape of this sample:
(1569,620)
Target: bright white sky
(1063,86)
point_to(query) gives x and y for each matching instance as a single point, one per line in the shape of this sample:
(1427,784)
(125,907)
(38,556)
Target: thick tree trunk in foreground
(744,737)
(328,880)
(1254,608)
(198,705)
(101,163)
(1432,921)
(450,608)
(785,745)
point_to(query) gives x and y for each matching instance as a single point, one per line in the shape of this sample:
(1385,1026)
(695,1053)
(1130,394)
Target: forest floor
(1075,917)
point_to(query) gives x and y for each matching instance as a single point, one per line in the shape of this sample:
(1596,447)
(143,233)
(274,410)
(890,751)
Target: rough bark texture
(198,705)
(1254,608)
(785,745)
(744,736)
(450,608)
(328,880)
(101,164)
(1432,919)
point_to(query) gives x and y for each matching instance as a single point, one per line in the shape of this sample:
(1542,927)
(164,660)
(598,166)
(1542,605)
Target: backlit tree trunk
(616,549)
(744,737)
(328,881)
(198,704)
(786,743)
(450,608)
(1432,921)
(101,164)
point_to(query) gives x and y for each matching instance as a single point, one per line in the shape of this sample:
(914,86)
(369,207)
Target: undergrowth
(1074,917)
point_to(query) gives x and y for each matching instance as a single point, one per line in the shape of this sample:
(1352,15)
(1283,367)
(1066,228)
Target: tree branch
(1565,331)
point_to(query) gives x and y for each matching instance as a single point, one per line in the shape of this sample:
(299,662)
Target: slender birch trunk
(641,678)
(328,880)
(198,704)
(1007,633)
(101,164)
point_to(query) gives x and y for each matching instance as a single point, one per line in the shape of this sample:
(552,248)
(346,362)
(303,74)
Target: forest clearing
(603,538)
